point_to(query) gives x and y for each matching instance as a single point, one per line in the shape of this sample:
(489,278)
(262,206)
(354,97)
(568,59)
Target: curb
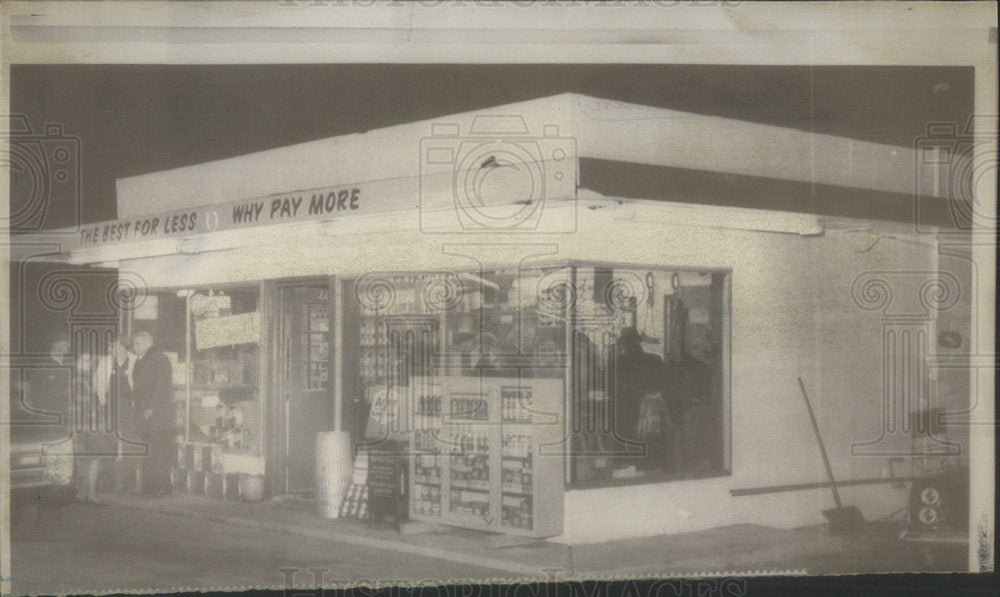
(754,563)
(520,570)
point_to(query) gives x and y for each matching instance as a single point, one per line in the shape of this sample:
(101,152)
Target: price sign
(227,331)
(385,421)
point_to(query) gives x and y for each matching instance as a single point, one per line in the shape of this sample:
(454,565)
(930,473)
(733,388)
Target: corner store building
(783,216)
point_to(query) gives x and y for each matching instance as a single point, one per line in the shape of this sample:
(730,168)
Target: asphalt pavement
(189,543)
(83,549)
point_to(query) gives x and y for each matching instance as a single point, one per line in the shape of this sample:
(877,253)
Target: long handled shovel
(843,520)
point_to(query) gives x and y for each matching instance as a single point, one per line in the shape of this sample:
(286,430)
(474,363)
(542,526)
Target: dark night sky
(138,119)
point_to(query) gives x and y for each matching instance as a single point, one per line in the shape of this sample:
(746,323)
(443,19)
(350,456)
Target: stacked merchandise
(374,351)
(517,479)
(477,464)
(427,461)
(229,429)
(516,404)
(355,502)
(470,473)
(428,500)
(397,340)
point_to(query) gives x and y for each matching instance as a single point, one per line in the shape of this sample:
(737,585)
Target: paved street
(84,549)
(81,549)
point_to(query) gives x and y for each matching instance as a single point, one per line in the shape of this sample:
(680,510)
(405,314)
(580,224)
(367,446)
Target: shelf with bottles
(428,405)
(375,367)
(488,469)
(469,462)
(470,471)
(427,423)
(233,428)
(380,332)
(427,468)
(516,405)
(517,512)
(373,332)
(466,439)
(393,348)
(518,471)
(427,500)
(427,484)
(468,407)
(230,424)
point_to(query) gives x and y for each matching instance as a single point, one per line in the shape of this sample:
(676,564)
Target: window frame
(573,265)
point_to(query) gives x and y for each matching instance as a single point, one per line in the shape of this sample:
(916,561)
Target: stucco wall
(793,314)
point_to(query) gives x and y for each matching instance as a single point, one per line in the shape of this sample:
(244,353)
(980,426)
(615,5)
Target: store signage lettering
(119,231)
(286,208)
(227,331)
(292,207)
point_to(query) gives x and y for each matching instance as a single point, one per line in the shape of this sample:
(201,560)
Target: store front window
(477,325)
(162,315)
(649,359)
(501,387)
(464,373)
(641,353)
(212,338)
(225,402)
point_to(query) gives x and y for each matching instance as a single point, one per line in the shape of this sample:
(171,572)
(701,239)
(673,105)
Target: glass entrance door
(307,377)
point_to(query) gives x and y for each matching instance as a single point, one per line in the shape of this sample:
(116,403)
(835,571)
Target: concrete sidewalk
(728,551)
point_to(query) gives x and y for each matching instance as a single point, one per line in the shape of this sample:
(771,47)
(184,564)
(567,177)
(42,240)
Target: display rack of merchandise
(485,454)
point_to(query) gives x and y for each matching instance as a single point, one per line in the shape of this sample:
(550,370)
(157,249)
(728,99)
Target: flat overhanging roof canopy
(571,125)
(552,147)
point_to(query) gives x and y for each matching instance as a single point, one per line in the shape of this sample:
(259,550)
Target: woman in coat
(93,433)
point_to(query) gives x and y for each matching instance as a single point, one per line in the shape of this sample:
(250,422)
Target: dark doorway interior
(306,374)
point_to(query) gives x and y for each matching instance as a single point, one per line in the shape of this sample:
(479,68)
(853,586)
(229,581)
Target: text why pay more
(295,207)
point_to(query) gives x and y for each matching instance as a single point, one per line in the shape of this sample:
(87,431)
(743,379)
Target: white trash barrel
(333,470)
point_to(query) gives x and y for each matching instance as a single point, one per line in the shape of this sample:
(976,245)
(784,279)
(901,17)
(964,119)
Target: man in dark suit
(152,389)
(49,386)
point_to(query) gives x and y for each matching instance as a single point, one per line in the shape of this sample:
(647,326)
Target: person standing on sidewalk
(94,441)
(49,386)
(114,383)
(153,391)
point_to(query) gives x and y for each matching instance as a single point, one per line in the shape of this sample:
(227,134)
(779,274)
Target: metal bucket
(251,488)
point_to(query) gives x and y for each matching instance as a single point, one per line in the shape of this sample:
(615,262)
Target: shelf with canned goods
(490,470)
